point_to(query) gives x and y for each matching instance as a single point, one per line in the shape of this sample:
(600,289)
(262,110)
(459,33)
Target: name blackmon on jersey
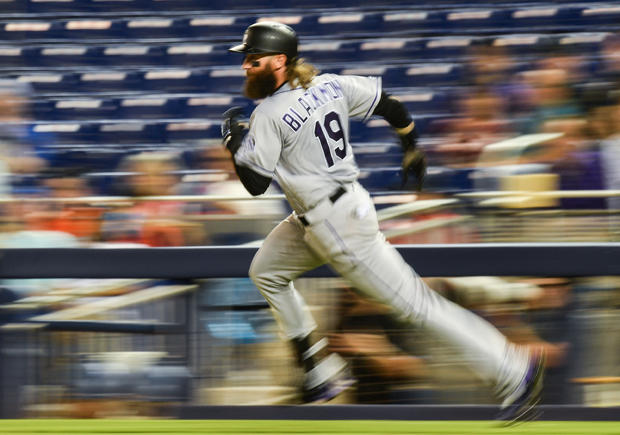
(314,98)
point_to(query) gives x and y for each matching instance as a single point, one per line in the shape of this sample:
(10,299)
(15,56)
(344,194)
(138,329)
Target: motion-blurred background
(105,104)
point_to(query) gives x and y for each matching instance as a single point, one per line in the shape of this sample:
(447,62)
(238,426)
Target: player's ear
(280,61)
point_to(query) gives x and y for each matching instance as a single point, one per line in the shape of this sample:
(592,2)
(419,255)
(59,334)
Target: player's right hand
(414,162)
(230,124)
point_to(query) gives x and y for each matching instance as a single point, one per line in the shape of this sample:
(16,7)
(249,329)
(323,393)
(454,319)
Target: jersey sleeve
(362,94)
(260,148)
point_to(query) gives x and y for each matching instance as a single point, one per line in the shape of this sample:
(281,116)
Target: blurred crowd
(555,93)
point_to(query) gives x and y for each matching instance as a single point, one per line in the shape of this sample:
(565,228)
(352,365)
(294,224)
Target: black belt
(333,198)
(337,194)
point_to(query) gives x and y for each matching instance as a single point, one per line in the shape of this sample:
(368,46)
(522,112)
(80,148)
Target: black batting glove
(409,137)
(232,129)
(414,160)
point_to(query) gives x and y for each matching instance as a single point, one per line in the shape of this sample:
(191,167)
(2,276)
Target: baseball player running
(299,134)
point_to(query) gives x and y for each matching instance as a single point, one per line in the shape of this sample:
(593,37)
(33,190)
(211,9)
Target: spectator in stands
(492,70)
(479,122)
(610,62)
(610,155)
(576,161)
(553,80)
(64,187)
(381,351)
(19,144)
(220,179)
(151,222)
(487,109)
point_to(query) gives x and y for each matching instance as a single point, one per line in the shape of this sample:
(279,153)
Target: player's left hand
(409,140)
(414,162)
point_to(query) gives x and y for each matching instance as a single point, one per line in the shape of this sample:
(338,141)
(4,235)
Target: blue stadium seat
(128,132)
(213,105)
(416,75)
(448,74)
(154,28)
(533,18)
(173,80)
(12,56)
(80,29)
(378,130)
(108,81)
(217,27)
(76,6)
(350,24)
(43,110)
(318,51)
(199,54)
(381,178)
(589,44)
(104,131)
(201,5)
(599,17)
(377,154)
(448,180)
(35,29)
(375,130)
(82,109)
(427,101)
(90,158)
(390,50)
(52,82)
(449,48)
(14,6)
(224,79)
(480,20)
(131,55)
(149,107)
(565,18)
(521,45)
(68,132)
(191,130)
(62,56)
(411,23)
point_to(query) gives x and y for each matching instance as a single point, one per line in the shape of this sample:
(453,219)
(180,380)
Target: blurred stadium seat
(82,109)
(104,81)
(159,71)
(151,107)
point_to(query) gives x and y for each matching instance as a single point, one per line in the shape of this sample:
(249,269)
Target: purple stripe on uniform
(372,106)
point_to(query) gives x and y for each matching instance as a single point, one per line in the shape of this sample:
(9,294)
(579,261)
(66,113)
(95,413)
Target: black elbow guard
(393,111)
(254,183)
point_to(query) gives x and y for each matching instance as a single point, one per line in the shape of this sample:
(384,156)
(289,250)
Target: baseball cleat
(520,406)
(327,391)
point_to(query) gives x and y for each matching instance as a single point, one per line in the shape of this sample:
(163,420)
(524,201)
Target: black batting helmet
(268,37)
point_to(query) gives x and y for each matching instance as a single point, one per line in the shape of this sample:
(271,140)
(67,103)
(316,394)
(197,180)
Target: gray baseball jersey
(301,136)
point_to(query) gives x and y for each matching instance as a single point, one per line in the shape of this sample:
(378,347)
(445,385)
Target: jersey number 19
(335,136)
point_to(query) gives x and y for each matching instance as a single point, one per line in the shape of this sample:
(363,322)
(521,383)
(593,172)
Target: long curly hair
(300,73)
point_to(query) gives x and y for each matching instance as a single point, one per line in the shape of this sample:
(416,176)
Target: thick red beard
(260,85)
